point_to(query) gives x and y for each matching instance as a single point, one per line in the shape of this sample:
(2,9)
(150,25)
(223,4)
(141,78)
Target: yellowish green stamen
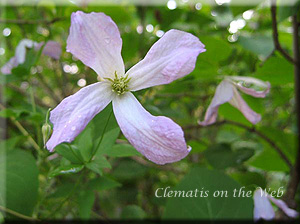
(119,85)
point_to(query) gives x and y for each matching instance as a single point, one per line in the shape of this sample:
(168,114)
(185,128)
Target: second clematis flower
(263,208)
(227,91)
(95,40)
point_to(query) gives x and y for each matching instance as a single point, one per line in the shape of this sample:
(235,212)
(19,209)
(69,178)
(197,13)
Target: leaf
(221,156)
(133,212)
(208,208)
(226,136)
(249,179)
(66,151)
(122,150)
(108,141)
(86,201)
(285,11)
(276,70)
(261,45)
(18,181)
(103,183)
(98,164)
(208,62)
(9,144)
(68,169)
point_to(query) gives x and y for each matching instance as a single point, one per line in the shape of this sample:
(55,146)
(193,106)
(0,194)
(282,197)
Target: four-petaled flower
(51,49)
(95,40)
(227,91)
(263,208)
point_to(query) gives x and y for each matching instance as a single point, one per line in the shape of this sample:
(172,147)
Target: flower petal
(257,88)
(170,58)
(12,63)
(262,206)
(238,102)
(51,49)
(72,115)
(223,94)
(159,139)
(95,40)
(20,53)
(283,206)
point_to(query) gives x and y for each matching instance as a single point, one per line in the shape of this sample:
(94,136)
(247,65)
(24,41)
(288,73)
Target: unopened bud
(46,130)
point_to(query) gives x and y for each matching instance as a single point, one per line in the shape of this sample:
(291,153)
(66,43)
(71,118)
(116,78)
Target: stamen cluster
(119,85)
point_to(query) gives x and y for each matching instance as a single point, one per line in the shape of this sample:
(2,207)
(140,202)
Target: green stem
(99,143)
(19,215)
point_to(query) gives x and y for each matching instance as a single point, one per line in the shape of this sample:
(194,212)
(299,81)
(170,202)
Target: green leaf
(68,169)
(227,136)
(268,160)
(18,181)
(276,70)
(221,156)
(108,141)
(86,201)
(70,152)
(122,150)
(210,207)
(250,180)
(258,44)
(285,11)
(103,183)
(208,62)
(98,164)
(133,212)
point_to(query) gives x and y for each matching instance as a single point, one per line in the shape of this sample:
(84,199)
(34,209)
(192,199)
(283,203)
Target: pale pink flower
(263,208)
(51,49)
(227,91)
(95,40)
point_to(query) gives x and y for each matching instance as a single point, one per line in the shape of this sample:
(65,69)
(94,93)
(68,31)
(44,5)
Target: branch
(295,175)
(31,22)
(277,44)
(250,129)
(23,131)
(19,215)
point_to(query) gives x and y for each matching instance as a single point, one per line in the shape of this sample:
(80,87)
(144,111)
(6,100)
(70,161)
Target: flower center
(119,85)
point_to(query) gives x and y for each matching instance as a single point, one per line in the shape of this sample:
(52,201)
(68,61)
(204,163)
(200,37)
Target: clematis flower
(95,39)
(227,91)
(263,208)
(52,49)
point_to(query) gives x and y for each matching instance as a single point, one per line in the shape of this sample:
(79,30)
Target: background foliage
(119,183)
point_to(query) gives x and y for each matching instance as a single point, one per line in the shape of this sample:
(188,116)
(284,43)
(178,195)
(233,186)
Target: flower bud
(46,130)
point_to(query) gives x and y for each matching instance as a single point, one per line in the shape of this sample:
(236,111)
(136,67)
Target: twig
(250,129)
(277,44)
(295,175)
(31,22)
(21,216)
(23,131)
